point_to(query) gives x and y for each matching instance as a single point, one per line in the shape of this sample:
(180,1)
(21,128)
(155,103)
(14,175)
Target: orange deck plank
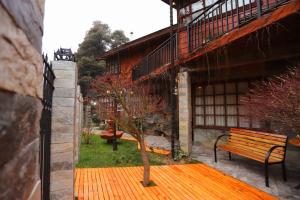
(190,181)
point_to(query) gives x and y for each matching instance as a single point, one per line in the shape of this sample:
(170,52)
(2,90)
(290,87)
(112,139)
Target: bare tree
(137,105)
(277,101)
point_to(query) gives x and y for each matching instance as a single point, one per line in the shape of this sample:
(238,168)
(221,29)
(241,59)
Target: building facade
(221,50)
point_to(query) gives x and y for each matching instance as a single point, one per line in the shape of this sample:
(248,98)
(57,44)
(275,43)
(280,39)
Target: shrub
(277,101)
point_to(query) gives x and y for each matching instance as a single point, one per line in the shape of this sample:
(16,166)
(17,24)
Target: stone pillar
(185,112)
(63,130)
(78,122)
(21,79)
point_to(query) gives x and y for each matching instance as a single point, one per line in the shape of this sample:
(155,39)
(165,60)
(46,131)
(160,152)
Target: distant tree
(97,41)
(137,105)
(117,38)
(277,101)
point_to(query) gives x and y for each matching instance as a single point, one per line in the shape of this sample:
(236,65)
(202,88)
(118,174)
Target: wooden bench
(263,147)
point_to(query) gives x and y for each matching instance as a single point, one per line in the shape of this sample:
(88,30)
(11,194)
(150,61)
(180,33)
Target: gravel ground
(159,142)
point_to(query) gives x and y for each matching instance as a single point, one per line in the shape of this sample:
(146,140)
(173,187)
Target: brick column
(185,112)
(63,140)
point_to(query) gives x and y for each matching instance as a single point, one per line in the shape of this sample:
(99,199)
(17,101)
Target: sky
(67,21)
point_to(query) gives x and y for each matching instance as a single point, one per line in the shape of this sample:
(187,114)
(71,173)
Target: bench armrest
(218,138)
(271,150)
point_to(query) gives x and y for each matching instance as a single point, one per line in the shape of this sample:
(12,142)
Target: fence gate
(45,131)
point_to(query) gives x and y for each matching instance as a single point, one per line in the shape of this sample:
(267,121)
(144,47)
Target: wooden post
(172,83)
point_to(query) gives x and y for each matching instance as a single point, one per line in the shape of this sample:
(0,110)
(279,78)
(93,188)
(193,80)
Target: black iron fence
(224,16)
(45,128)
(157,58)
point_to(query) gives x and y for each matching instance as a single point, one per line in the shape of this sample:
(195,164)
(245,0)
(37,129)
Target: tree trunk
(145,162)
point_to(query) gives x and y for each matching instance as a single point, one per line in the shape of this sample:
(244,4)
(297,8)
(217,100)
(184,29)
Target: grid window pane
(199,101)
(200,120)
(219,99)
(232,110)
(210,120)
(231,99)
(199,91)
(220,110)
(209,90)
(232,121)
(209,110)
(220,120)
(199,110)
(209,100)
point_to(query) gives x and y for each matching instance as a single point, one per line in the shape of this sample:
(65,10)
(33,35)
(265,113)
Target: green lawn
(100,154)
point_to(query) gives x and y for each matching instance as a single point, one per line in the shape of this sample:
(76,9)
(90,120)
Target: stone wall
(21,78)
(205,140)
(65,129)
(185,112)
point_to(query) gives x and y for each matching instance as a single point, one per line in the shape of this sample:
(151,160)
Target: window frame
(204,106)
(113,65)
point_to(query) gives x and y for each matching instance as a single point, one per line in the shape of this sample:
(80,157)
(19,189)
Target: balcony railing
(223,16)
(157,58)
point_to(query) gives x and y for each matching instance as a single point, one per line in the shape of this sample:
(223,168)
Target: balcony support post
(259,9)
(172,84)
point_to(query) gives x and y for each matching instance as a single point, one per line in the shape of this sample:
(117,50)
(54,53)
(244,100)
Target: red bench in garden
(263,147)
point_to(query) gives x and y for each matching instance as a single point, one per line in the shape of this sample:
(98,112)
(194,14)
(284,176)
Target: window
(218,105)
(113,65)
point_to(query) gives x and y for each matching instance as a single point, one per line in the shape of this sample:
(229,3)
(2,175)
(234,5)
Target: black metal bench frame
(266,163)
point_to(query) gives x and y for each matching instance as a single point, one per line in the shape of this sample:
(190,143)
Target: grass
(100,154)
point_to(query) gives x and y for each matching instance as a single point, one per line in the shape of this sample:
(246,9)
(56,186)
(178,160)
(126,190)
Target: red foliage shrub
(277,101)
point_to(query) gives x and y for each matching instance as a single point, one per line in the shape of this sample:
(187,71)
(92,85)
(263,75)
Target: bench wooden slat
(253,138)
(259,132)
(262,135)
(248,154)
(255,151)
(256,146)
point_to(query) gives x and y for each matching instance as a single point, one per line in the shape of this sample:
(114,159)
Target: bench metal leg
(215,152)
(229,154)
(266,174)
(283,171)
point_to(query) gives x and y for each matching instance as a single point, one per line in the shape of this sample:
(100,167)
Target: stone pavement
(252,173)
(159,142)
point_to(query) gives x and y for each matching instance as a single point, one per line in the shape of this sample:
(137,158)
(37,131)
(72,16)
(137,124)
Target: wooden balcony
(225,16)
(228,19)
(159,57)
(191,181)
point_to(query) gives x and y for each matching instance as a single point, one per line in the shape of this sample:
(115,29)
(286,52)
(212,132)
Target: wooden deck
(192,181)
